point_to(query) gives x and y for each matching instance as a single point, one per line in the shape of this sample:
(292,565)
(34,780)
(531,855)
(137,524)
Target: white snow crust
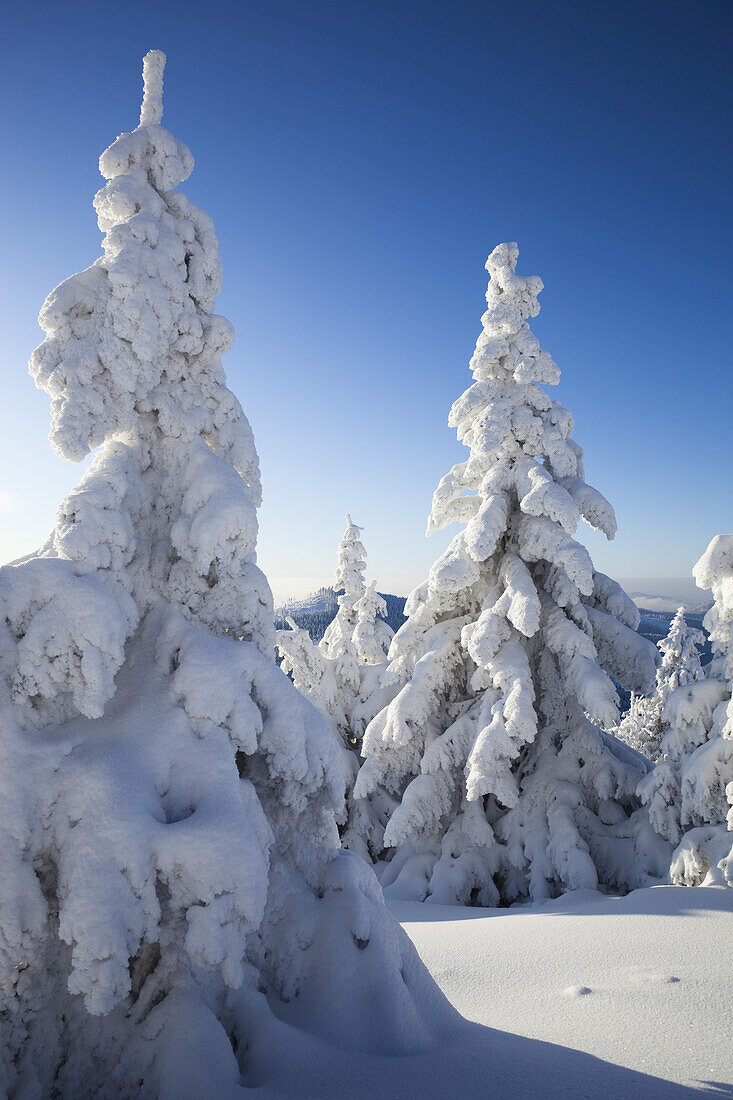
(635,981)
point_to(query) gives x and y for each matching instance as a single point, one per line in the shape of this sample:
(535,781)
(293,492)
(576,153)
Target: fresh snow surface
(582,998)
(638,982)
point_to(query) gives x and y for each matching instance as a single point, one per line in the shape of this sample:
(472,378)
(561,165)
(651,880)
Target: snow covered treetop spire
(348,579)
(350,564)
(132,363)
(151,111)
(507,348)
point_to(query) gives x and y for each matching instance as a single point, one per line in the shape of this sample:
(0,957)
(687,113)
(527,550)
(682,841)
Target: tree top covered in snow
(151,109)
(132,362)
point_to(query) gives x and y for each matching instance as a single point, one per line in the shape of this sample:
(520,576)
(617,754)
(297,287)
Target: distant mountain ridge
(646,602)
(314,613)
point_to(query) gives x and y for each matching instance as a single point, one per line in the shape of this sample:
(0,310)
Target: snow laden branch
(168,800)
(506,787)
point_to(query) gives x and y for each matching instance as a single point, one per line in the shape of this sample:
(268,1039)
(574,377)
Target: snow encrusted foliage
(507,788)
(644,726)
(341,675)
(170,878)
(689,795)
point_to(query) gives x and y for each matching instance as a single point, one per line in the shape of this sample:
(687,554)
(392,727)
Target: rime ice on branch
(689,795)
(507,789)
(167,798)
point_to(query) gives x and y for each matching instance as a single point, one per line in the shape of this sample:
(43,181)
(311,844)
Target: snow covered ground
(642,982)
(582,998)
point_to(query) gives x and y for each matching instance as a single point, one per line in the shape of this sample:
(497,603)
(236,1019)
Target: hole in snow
(361,944)
(175,811)
(172,817)
(242,761)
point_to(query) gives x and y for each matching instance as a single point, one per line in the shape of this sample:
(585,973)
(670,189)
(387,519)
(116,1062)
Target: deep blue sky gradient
(360,159)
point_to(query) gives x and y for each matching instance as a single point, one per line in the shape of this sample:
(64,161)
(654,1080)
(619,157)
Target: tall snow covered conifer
(689,795)
(507,789)
(644,726)
(170,879)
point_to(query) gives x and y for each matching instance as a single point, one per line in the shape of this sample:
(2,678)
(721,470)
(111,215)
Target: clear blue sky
(360,159)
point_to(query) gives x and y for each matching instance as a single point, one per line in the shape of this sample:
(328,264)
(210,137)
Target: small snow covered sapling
(170,873)
(332,674)
(644,725)
(689,795)
(348,581)
(632,729)
(507,789)
(342,674)
(372,635)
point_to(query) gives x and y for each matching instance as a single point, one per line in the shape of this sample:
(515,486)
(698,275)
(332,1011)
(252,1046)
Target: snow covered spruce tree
(507,788)
(341,675)
(632,729)
(372,635)
(335,674)
(348,581)
(170,878)
(689,795)
(644,726)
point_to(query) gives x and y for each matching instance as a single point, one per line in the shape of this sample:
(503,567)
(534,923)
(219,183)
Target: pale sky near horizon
(360,160)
